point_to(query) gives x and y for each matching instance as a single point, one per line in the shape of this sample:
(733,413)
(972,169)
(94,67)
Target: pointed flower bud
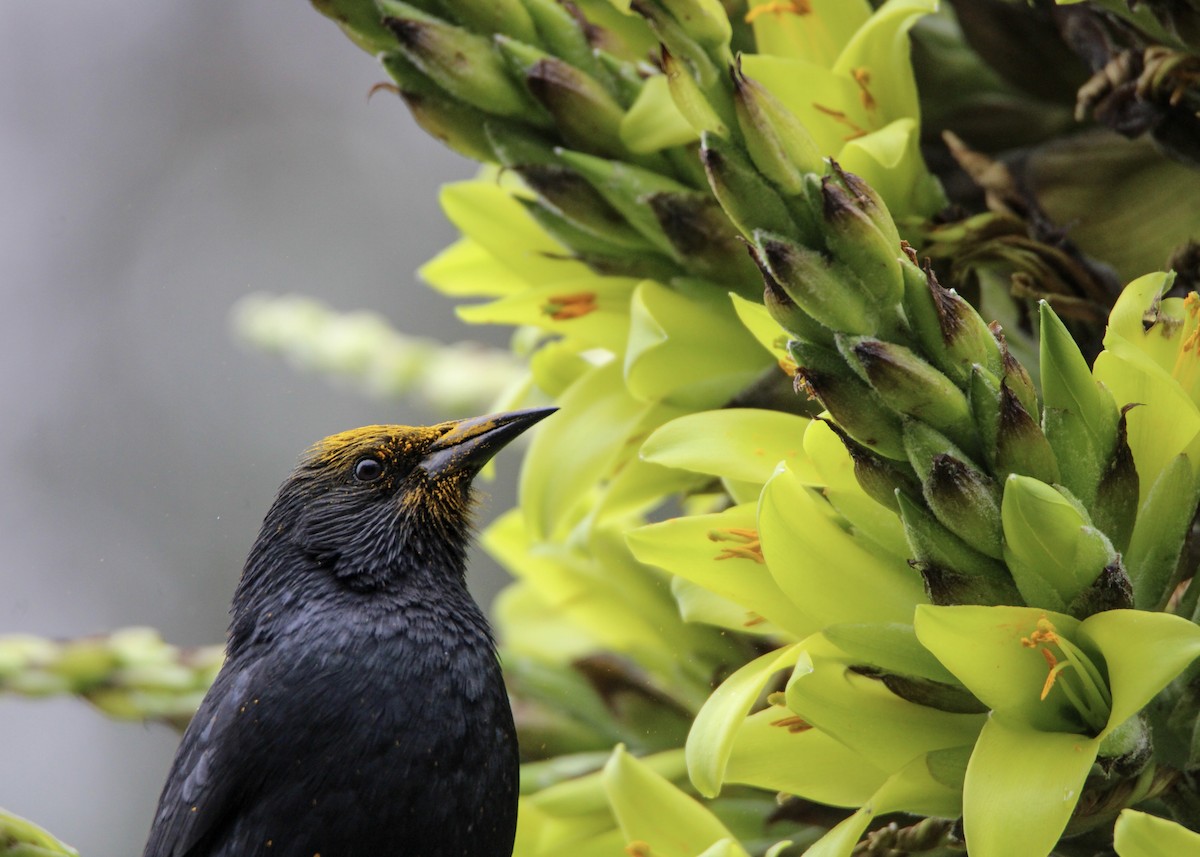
(506,17)
(1050,546)
(880,477)
(867,200)
(779,144)
(706,21)
(682,43)
(748,200)
(952,333)
(702,112)
(564,32)
(457,125)
(1014,374)
(625,187)
(570,195)
(912,387)
(824,374)
(785,310)
(360,21)
(954,572)
(823,289)
(1020,445)
(964,498)
(586,115)
(459,61)
(702,237)
(983,392)
(857,242)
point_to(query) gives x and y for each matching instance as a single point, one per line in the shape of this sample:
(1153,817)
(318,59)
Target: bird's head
(367,508)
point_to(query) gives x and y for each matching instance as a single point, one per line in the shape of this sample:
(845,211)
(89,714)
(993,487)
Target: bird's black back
(395,739)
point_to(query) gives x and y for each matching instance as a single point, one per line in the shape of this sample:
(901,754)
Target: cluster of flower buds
(1003,494)
(129,674)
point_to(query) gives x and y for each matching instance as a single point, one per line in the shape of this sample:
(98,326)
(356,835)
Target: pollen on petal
(792,724)
(787,7)
(565,307)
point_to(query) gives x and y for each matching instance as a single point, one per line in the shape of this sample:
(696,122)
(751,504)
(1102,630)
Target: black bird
(360,711)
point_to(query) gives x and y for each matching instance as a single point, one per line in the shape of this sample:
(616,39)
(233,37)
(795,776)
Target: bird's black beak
(469,444)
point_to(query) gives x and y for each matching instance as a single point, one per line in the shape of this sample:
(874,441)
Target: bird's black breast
(386,736)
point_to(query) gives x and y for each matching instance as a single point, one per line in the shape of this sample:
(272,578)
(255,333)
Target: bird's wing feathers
(197,805)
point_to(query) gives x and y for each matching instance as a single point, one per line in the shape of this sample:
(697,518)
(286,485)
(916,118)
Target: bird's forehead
(389,441)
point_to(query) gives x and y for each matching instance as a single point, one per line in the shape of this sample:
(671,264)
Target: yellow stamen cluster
(745,544)
(1084,687)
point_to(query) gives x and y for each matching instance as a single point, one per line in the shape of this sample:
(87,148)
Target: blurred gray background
(157,161)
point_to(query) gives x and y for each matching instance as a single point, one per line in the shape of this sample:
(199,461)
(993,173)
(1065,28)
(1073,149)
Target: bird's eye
(368,469)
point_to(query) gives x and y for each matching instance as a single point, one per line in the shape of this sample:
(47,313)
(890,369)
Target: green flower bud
(855,241)
(625,187)
(408,77)
(704,114)
(880,477)
(1050,546)
(360,21)
(923,691)
(954,572)
(703,237)
(506,17)
(964,498)
(952,333)
(1014,374)
(464,64)
(856,407)
(571,196)
(584,112)
(1020,445)
(597,251)
(748,201)
(457,125)
(586,245)
(1111,590)
(786,312)
(866,200)
(779,144)
(912,387)
(683,44)
(564,33)
(823,289)
(983,392)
